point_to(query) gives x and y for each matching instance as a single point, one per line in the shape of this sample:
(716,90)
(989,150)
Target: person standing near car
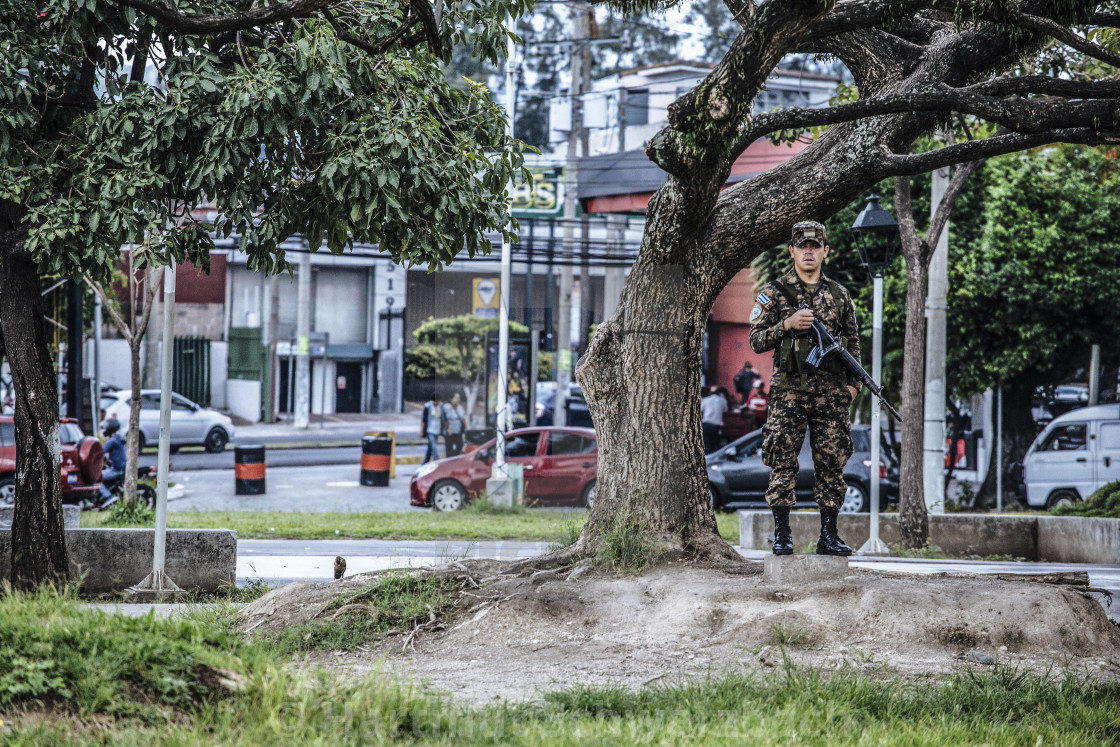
(455,420)
(116,454)
(803,396)
(431,426)
(712,408)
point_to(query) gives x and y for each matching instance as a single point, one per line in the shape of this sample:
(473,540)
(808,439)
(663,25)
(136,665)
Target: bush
(625,546)
(1104,504)
(130,514)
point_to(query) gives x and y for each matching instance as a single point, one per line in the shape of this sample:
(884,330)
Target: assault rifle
(826,345)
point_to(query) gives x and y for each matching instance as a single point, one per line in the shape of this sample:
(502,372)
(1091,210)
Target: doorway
(348,386)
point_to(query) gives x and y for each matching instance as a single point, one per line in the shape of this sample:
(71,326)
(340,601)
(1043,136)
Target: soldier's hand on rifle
(802,319)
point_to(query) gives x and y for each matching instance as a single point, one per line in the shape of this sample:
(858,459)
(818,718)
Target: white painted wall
(244,399)
(219,365)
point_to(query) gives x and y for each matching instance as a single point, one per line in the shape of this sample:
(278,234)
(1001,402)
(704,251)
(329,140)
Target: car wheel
(447,495)
(1062,498)
(7,491)
(714,497)
(146,494)
(216,440)
(855,500)
(141,442)
(587,497)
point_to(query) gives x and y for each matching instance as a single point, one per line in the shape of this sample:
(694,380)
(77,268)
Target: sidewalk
(331,429)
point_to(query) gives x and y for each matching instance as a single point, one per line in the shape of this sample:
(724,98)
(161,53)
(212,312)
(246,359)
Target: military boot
(829,542)
(783,537)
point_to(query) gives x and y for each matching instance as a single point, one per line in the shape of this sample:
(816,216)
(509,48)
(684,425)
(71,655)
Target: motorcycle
(145,491)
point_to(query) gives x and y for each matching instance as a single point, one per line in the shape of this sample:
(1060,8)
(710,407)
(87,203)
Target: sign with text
(485,298)
(545,199)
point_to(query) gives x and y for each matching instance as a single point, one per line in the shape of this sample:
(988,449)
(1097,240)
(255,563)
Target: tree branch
(374,50)
(904,210)
(1021,115)
(916,163)
(107,304)
(1058,32)
(952,192)
(198,23)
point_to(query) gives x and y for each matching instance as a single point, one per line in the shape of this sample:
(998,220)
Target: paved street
(323,488)
(276,457)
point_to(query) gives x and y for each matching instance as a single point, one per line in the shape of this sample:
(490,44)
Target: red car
(82,460)
(560,466)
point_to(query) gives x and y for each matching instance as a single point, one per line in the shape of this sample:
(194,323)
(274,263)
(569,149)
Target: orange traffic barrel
(377,459)
(248,469)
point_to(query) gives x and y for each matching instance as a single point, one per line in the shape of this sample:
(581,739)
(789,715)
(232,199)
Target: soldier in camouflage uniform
(801,396)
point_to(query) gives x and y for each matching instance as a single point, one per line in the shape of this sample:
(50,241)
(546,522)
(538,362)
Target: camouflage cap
(808,230)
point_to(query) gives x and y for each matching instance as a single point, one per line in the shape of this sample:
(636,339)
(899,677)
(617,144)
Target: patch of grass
(527,524)
(786,636)
(1103,504)
(625,547)
(73,675)
(482,506)
(129,514)
(393,602)
(929,552)
(572,531)
(59,654)
(232,593)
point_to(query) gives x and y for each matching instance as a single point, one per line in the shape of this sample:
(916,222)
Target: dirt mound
(517,636)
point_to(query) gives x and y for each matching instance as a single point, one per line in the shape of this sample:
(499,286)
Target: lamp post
(876,233)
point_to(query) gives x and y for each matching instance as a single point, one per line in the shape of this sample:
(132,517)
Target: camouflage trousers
(825,415)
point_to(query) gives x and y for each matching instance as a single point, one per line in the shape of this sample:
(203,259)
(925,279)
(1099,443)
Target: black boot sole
(834,554)
(783,552)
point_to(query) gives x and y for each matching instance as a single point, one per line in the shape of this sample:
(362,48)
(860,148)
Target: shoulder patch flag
(763,299)
(756,312)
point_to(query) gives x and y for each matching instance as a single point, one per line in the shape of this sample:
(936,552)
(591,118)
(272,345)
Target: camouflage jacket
(767,333)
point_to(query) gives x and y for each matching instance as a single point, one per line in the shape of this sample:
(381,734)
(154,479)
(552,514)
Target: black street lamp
(877,239)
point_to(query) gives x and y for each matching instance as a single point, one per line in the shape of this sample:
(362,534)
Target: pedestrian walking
(455,421)
(803,396)
(712,408)
(431,426)
(745,381)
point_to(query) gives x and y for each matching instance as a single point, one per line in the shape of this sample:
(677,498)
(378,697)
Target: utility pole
(936,304)
(615,277)
(303,340)
(95,393)
(586,309)
(1095,375)
(571,183)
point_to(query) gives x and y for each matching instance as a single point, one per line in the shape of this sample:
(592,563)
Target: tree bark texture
(913,519)
(38,542)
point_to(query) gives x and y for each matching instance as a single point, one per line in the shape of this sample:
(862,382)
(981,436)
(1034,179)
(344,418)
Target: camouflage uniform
(806,397)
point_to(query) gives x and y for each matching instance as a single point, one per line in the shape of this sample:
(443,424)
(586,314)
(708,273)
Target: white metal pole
(95,402)
(999,448)
(502,416)
(302,415)
(874,545)
(164,457)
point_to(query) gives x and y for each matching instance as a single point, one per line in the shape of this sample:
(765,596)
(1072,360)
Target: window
(181,404)
(749,448)
(8,434)
(560,444)
(637,107)
(1066,438)
(69,434)
(149,402)
(523,445)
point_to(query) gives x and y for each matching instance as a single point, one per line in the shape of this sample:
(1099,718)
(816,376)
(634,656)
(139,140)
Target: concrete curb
(1058,539)
(71,517)
(115,559)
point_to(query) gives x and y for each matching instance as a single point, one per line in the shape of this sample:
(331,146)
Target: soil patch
(514,637)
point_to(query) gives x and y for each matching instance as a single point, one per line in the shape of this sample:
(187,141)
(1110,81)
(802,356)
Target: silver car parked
(191,424)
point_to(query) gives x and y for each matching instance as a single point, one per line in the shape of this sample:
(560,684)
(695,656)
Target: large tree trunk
(913,520)
(38,542)
(132,437)
(641,376)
